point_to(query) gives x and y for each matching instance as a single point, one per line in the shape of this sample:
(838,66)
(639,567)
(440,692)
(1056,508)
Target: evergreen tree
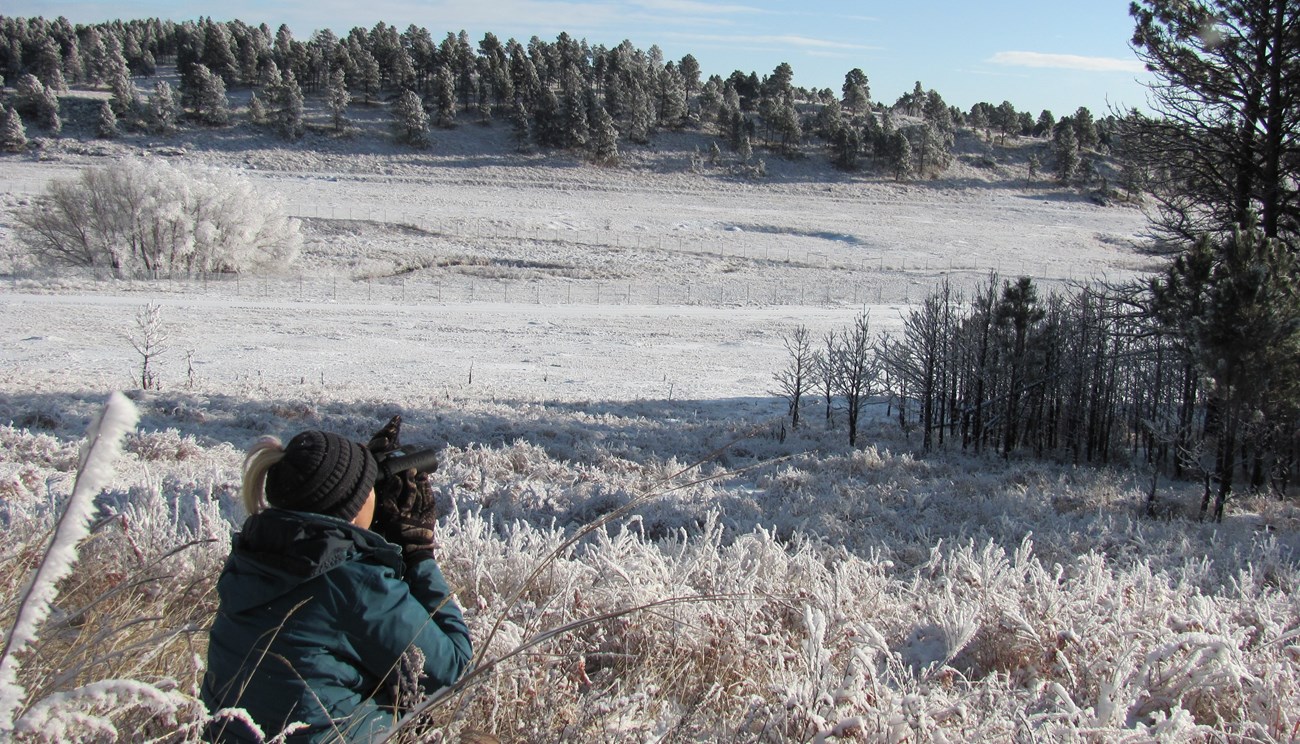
(521,124)
(1085,129)
(575,126)
(786,123)
(1066,147)
(1045,125)
(107,126)
(410,121)
(162,109)
(1236,302)
(672,97)
(369,70)
(484,100)
(1006,120)
(1034,167)
(47,65)
(29,95)
(1226,93)
(979,118)
(337,99)
(931,149)
(219,52)
(125,98)
(604,136)
(256,110)
(48,115)
(900,155)
(642,118)
(710,101)
(444,87)
(13,135)
(289,107)
(857,93)
(689,68)
(210,101)
(846,146)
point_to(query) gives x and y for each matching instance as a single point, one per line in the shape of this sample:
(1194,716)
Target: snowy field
(580,339)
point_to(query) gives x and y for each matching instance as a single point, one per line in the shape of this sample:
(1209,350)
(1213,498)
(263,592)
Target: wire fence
(850,272)
(462,290)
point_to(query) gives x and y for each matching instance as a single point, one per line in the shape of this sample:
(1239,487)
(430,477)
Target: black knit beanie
(322,473)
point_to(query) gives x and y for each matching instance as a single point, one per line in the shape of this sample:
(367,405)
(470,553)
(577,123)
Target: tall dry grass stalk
(65,693)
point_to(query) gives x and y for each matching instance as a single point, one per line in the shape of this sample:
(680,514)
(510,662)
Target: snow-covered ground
(578,339)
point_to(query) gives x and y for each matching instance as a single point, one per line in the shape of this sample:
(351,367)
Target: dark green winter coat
(314,613)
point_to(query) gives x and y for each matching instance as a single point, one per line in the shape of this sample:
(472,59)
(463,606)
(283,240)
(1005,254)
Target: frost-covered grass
(825,594)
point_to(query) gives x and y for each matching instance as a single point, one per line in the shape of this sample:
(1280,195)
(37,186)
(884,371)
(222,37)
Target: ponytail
(264,453)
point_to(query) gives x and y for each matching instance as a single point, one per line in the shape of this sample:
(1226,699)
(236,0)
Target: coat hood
(278,549)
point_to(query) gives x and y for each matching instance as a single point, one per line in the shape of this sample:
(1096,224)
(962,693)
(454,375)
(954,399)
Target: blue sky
(1055,54)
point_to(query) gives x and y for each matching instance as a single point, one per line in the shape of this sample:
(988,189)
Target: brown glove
(405,511)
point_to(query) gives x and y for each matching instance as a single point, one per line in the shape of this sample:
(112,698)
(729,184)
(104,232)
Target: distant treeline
(564,94)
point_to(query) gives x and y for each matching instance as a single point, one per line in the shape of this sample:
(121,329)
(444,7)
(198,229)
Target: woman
(319,614)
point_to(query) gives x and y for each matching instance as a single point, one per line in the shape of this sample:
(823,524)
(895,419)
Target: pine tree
(289,107)
(1066,147)
(1085,129)
(107,126)
(846,147)
(162,108)
(48,65)
(410,121)
(125,98)
(48,116)
(786,123)
(29,95)
(672,97)
(521,124)
(857,93)
(210,101)
(13,135)
(1046,123)
(900,155)
(444,87)
(256,110)
(604,136)
(575,124)
(337,98)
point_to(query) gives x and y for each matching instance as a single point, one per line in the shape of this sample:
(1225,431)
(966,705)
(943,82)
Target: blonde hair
(264,453)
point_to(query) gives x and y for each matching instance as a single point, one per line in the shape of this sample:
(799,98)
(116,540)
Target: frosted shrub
(146,216)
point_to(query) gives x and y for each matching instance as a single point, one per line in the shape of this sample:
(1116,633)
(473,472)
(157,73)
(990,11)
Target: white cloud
(785,41)
(1066,62)
(700,8)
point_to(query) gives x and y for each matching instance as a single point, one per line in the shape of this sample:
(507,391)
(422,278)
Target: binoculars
(396,462)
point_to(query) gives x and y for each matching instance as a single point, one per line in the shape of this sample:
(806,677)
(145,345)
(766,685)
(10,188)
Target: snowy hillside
(581,339)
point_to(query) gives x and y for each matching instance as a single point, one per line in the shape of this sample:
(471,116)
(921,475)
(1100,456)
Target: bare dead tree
(797,377)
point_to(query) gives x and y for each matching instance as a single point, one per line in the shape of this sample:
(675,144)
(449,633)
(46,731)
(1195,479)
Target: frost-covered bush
(147,216)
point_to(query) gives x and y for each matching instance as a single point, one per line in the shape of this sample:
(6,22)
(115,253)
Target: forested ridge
(562,95)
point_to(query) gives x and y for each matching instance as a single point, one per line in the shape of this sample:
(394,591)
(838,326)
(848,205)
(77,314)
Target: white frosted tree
(144,216)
